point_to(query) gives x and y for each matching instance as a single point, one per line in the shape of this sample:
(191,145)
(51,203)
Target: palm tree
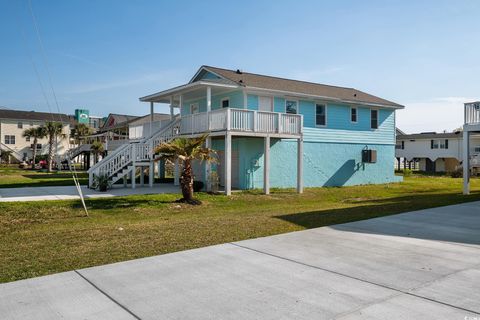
(97,148)
(53,131)
(35,133)
(187,150)
(80,131)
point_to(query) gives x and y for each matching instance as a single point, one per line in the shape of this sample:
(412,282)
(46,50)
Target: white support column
(171,108)
(151,174)
(466,161)
(180,103)
(209,99)
(151,118)
(208,144)
(228,164)
(266,166)
(134,170)
(300,165)
(176,173)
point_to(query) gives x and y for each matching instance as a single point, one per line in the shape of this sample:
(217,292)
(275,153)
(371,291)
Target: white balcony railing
(472,113)
(241,120)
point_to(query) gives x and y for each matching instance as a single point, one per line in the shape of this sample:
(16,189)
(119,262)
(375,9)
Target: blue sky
(103,55)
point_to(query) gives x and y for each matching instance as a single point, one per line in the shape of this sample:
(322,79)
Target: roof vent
(238,71)
(354,94)
(241,81)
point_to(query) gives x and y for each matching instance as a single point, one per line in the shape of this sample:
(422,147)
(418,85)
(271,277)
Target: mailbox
(369,156)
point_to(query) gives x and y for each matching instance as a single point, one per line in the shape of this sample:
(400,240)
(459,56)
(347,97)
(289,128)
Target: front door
(265,104)
(429,165)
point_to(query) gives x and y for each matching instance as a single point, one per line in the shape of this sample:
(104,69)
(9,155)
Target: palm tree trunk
(35,141)
(186,181)
(50,152)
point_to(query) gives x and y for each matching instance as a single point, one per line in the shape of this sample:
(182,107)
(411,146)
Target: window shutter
(431,144)
(446,143)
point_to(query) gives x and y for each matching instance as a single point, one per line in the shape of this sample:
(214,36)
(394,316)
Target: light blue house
(275,132)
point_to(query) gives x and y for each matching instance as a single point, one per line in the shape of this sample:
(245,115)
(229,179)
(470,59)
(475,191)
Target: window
(320,115)
(291,106)
(477,149)
(400,146)
(439,144)
(353,114)
(27,139)
(20,125)
(225,103)
(9,139)
(374,119)
(31,124)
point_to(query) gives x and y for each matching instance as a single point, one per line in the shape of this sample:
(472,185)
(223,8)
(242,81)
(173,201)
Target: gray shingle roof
(33,115)
(309,88)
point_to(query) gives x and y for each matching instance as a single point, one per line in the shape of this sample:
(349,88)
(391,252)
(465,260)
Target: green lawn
(13,177)
(39,238)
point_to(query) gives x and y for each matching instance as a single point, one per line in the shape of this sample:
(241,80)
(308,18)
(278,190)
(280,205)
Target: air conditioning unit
(369,156)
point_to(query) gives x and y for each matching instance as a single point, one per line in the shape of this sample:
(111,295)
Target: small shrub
(197,186)
(457,173)
(101,182)
(407,172)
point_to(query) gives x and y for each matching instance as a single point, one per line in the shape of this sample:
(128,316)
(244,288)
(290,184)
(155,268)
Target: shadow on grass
(123,202)
(446,229)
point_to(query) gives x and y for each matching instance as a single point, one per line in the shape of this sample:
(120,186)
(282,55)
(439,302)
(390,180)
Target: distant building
(83,116)
(434,152)
(14,122)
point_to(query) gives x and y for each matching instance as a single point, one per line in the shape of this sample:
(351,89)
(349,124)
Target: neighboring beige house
(14,122)
(143,127)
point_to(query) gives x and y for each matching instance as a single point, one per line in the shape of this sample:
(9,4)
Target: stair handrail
(105,161)
(17,155)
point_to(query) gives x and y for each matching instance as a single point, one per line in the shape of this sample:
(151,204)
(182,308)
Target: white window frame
(194,105)
(9,139)
(326,112)
(356,114)
(292,100)
(224,99)
(378,116)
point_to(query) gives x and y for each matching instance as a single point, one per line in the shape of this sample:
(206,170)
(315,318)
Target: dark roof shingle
(33,115)
(297,86)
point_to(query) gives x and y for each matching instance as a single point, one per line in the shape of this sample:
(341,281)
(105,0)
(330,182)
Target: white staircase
(14,153)
(125,159)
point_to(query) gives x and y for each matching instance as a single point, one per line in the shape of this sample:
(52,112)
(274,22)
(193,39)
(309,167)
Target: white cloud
(438,114)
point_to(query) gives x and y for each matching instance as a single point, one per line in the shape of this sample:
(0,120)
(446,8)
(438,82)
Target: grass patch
(13,177)
(39,238)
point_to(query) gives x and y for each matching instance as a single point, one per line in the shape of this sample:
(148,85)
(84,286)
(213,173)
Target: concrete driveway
(71,192)
(418,265)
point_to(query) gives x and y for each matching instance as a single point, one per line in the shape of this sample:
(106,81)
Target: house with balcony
(269,132)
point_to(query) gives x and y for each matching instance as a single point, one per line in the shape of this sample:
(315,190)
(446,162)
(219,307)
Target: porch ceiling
(189,91)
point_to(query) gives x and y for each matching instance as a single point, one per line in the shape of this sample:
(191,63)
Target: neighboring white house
(14,122)
(434,152)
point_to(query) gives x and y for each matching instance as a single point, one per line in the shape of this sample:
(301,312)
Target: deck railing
(241,120)
(472,113)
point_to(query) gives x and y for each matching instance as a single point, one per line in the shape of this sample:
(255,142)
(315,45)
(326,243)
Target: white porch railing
(242,120)
(472,113)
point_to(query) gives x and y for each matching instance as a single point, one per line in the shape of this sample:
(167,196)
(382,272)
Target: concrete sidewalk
(70,192)
(418,265)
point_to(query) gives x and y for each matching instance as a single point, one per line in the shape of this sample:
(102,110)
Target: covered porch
(202,110)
